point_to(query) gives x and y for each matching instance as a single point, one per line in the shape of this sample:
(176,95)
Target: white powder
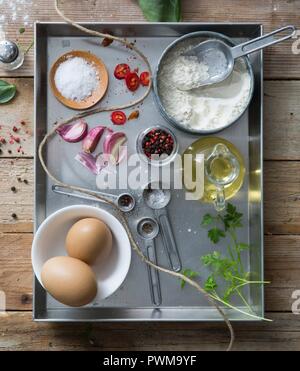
(208,107)
(76,79)
(156,198)
(188,73)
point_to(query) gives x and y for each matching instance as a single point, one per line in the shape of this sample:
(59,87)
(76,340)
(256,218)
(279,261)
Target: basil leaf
(7,91)
(161,10)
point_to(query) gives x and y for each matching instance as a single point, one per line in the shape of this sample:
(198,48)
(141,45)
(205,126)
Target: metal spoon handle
(261,42)
(169,241)
(153,276)
(64,191)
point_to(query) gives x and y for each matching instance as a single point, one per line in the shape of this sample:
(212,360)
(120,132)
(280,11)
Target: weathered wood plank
(281,197)
(270,13)
(281,120)
(16,121)
(282,261)
(15,270)
(16,188)
(20,333)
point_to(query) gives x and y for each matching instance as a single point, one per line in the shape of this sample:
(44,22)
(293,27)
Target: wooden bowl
(97,94)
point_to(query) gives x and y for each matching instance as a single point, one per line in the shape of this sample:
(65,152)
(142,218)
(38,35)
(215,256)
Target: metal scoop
(220,57)
(148,229)
(157,199)
(125,201)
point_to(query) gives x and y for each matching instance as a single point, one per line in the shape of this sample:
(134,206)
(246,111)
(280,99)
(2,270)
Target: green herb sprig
(228,277)
(227,269)
(188,273)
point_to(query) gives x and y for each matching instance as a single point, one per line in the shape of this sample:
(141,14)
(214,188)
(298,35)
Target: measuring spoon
(220,57)
(157,199)
(148,229)
(125,201)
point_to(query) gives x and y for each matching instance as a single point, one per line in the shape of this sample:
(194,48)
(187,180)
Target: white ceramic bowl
(49,241)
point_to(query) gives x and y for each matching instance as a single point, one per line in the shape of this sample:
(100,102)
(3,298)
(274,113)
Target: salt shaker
(11,57)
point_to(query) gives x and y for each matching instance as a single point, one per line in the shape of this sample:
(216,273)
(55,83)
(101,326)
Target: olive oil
(221,169)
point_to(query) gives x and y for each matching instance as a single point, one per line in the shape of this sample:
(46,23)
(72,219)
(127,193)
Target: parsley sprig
(228,270)
(228,277)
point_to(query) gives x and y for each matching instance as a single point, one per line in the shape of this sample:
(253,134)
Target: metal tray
(132,301)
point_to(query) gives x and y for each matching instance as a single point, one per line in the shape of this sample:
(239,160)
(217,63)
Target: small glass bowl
(161,161)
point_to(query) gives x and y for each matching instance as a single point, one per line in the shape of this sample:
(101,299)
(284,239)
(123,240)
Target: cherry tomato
(132,81)
(121,71)
(118,117)
(145,78)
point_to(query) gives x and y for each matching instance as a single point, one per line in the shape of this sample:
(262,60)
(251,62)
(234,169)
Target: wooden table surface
(281,192)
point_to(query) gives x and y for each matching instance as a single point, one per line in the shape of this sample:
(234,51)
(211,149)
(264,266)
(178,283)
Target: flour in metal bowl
(205,108)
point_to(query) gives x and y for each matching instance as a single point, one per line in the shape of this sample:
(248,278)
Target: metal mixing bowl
(205,35)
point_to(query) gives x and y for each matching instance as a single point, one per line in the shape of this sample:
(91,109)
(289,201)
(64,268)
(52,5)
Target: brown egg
(69,280)
(87,239)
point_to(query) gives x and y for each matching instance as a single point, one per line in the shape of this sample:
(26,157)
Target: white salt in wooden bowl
(97,94)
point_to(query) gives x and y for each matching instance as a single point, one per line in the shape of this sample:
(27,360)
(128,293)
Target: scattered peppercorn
(19,179)
(158,142)
(25,181)
(9,151)
(13,189)
(14,215)
(23,123)
(15,129)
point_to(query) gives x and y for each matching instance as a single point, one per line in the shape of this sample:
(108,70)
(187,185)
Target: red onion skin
(65,131)
(90,142)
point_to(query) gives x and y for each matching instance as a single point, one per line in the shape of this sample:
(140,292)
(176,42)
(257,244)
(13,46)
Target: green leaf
(242,246)
(207,219)
(21,30)
(161,10)
(230,209)
(188,273)
(228,293)
(7,91)
(211,259)
(215,234)
(210,284)
(232,218)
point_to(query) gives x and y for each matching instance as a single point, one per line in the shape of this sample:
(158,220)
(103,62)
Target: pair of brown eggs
(70,279)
